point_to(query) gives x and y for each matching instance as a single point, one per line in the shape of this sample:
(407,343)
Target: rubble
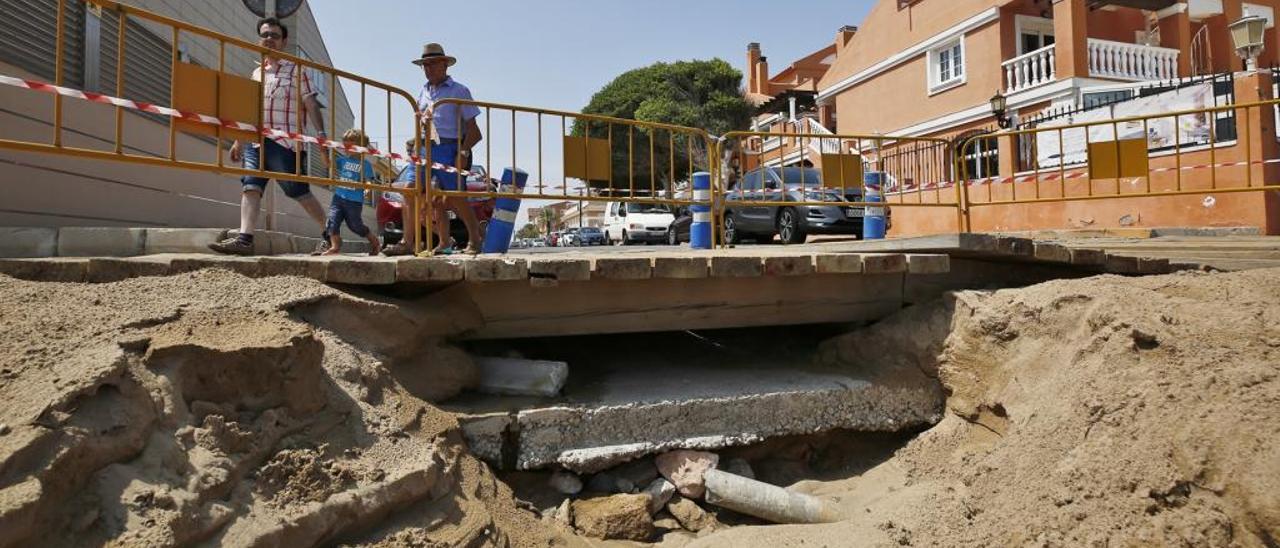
(624,517)
(685,469)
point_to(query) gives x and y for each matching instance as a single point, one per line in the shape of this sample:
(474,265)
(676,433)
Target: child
(348,202)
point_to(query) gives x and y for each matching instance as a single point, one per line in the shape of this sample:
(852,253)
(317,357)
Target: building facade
(58,190)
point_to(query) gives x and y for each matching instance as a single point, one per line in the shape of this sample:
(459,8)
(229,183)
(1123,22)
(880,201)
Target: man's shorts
(279,159)
(446,153)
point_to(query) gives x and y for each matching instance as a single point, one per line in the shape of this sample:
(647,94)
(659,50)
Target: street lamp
(998,106)
(1247,36)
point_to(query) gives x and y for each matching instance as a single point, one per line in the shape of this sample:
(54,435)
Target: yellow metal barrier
(1225,149)
(778,172)
(209,92)
(575,157)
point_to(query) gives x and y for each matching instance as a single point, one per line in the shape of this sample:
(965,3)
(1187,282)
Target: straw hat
(434,50)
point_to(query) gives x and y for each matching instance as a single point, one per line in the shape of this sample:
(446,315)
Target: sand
(1105,411)
(213,408)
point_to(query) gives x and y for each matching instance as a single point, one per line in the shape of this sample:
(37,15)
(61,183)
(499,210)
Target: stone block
(736,267)
(371,271)
(304,267)
(1017,247)
(486,434)
(1088,257)
(838,263)
(18,242)
(521,377)
(245,266)
(553,271)
(77,241)
(928,263)
(795,265)
(433,269)
(623,268)
(112,269)
(182,240)
(46,270)
(1053,253)
(884,263)
(490,269)
(681,268)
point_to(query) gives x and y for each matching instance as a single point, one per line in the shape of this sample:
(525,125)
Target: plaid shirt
(279,106)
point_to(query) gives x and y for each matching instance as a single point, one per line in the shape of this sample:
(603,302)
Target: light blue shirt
(348,168)
(446,116)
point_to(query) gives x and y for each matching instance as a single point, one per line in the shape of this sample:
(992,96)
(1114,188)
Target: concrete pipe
(766,501)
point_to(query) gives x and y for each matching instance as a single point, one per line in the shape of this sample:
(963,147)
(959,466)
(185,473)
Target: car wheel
(789,230)
(672,239)
(624,240)
(731,235)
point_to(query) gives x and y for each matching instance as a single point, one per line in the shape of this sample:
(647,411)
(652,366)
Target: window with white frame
(946,65)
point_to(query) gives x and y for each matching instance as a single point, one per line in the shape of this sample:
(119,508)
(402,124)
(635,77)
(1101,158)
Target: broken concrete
(521,377)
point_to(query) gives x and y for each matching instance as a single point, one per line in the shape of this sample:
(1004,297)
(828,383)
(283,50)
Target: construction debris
(766,501)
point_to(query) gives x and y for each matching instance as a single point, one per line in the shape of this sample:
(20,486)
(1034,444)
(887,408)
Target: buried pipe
(766,501)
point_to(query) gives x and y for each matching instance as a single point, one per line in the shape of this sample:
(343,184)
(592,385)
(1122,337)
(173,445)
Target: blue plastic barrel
(700,230)
(497,238)
(873,218)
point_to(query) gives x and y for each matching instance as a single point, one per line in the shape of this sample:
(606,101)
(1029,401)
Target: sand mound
(214,408)
(1105,411)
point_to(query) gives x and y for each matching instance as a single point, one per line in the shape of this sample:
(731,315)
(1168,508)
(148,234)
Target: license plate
(853,211)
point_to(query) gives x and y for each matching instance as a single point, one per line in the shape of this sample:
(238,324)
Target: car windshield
(647,208)
(590,230)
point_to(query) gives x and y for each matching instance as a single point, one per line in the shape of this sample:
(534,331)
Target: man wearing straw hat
(455,132)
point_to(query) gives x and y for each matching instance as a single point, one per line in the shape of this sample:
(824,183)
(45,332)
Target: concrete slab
(623,268)
(628,413)
(838,263)
(486,435)
(18,242)
(736,267)
(794,265)
(77,241)
(928,264)
(681,268)
(304,244)
(51,269)
(245,266)
(429,270)
(1054,253)
(362,271)
(182,240)
(495,269)
(1088,257)
(1016,247)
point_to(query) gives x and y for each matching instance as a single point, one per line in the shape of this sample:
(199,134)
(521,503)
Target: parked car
(626,223)
(590,235)
(553,239)
(389,206)
(771,187)
(678,232)
(570,237)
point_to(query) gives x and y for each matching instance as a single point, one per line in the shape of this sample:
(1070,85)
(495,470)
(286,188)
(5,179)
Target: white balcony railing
(1121,61)
(1030,70)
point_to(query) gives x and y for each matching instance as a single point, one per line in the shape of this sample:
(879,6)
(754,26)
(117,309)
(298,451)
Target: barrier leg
(700,230)
(873,218)
(497,238)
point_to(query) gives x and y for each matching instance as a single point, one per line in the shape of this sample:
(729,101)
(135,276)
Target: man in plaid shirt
(280,93)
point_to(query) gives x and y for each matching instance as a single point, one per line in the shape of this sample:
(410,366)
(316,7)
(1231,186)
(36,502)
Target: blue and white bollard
(700,230)
(497,238)
(873,221)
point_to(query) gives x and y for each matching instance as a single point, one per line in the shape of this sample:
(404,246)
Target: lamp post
(998,106)
(1247,36)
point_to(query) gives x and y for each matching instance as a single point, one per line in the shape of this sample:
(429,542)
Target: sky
(554,54)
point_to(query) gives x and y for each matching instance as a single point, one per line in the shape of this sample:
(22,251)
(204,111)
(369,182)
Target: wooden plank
(510,309)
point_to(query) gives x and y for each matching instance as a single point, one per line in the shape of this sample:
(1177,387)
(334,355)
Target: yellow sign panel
(586,158)
(1116,159)
(206,91)
(842,171)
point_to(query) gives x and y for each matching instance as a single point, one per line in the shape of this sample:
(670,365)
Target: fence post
(700,230)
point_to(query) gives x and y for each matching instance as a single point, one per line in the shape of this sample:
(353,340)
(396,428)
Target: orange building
(929,68)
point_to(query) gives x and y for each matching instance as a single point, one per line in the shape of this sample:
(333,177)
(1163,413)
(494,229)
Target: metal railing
(916,172)
(210,120)
(1164,154)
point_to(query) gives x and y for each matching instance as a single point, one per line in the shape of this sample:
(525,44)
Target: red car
(391,216)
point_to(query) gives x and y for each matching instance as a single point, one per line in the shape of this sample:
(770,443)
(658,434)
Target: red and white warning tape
(215,121)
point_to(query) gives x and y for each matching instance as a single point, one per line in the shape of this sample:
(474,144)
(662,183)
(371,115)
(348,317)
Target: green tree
(527,231)
(697,94)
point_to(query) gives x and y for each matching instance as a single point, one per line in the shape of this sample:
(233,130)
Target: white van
(627,223)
